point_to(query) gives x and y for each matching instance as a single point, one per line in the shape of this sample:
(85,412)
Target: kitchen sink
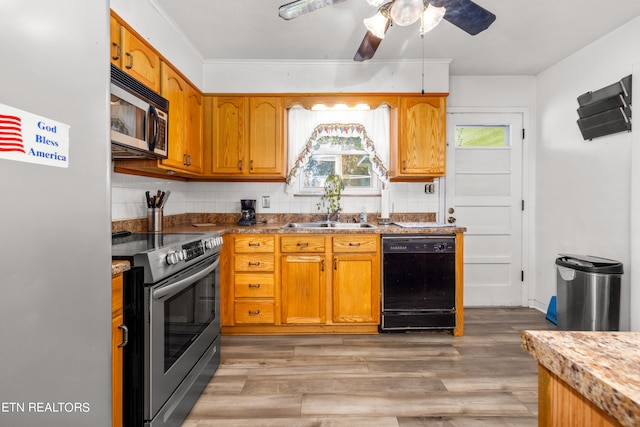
(329,224)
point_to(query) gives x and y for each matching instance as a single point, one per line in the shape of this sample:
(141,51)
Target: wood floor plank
(407,405)
(416,379)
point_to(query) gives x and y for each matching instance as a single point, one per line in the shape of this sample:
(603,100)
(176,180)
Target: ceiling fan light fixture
(406,12)
(431,17)
(377,24)
(376,3)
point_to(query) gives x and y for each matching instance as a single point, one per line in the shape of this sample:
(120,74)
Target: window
(344,156)
(343,149)
(482,136)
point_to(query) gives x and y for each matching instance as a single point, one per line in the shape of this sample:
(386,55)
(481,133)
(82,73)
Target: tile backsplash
(128,197)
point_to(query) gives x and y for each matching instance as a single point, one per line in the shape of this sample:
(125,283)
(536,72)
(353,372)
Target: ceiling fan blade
(368,47)
(300,7)
(466,15)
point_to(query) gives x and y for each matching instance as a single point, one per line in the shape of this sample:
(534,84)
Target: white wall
(583,187)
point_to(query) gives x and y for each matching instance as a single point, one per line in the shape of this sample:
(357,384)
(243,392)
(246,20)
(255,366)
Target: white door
(484,194)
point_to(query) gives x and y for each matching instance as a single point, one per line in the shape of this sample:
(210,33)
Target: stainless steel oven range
(172,311)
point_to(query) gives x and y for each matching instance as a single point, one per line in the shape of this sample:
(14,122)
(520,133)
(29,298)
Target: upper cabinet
(134,56)
(185,122)
(421,146)
(246,137)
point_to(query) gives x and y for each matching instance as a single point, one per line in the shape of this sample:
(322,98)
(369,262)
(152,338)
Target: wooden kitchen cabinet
(356,279)
(185,122)
(254,279)
(421,147)
(246,137)
(303,291)
(133,55)
(117,321)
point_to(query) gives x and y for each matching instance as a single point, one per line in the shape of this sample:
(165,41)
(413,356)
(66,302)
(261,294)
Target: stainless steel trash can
(588,293)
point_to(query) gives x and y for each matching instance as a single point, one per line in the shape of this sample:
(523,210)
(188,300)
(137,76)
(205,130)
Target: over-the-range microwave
(139,119)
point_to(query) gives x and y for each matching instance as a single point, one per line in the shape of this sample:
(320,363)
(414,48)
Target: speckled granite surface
(602,366)
(272,224)
(119,266)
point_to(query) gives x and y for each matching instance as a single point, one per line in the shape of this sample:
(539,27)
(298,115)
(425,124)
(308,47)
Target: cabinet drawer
(253,244)
(255,312)
(302,244)
(355,243)
(254,285)
(254,262)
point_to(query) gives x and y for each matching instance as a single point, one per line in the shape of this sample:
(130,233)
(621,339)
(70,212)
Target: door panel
(483,194)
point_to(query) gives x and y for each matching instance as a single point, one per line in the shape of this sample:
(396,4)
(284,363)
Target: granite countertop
(119,266)
(272,224)
(276,228)
(604,367)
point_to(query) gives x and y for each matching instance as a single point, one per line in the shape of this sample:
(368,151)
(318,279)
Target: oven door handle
(176,287)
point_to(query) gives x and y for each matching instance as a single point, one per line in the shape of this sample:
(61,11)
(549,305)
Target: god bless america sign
(26,137)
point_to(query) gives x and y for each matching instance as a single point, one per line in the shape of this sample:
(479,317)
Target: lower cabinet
(117,320)
(253,280)
(319,283)
(356,268)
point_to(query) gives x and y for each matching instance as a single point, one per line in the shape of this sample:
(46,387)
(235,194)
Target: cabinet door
(303,289)
(193,129)
(117,320)
(140,61)
(266,145)
(421,136)
(356,288)
(228,136)
(116,45)
(175,89)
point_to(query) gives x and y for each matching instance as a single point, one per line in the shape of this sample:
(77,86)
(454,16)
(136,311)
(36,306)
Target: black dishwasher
(418,282)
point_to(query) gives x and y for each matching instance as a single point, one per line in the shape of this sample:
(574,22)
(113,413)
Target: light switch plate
(266,202)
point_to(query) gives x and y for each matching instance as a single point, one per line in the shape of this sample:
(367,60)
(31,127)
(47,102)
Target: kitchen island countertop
(604,367)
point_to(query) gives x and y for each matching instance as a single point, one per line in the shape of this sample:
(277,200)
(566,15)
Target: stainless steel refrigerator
(55,264)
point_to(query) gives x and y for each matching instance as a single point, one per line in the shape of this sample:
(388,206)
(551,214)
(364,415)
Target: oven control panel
(193,250)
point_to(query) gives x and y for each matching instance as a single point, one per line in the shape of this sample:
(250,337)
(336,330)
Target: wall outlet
(430,188)
(266,202)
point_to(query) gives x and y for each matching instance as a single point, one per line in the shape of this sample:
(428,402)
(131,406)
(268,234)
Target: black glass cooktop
(128,245)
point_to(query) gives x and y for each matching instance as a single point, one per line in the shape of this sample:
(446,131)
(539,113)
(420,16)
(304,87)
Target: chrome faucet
(333,214)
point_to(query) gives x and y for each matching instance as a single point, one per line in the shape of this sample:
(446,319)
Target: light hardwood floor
(388,380)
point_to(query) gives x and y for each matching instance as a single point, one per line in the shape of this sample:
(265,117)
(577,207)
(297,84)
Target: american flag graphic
(11,133)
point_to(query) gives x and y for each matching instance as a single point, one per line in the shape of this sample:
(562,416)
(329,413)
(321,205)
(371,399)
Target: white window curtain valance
(306,127)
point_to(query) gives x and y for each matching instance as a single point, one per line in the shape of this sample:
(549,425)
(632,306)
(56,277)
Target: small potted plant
(331,198)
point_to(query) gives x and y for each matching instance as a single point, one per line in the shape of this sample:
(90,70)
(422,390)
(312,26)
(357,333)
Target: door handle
(451,220)
(125,335)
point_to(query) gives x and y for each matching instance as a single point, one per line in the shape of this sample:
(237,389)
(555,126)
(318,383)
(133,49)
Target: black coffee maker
(248,213)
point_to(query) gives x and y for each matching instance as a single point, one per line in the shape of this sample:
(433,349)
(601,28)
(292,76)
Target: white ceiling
(527,37)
